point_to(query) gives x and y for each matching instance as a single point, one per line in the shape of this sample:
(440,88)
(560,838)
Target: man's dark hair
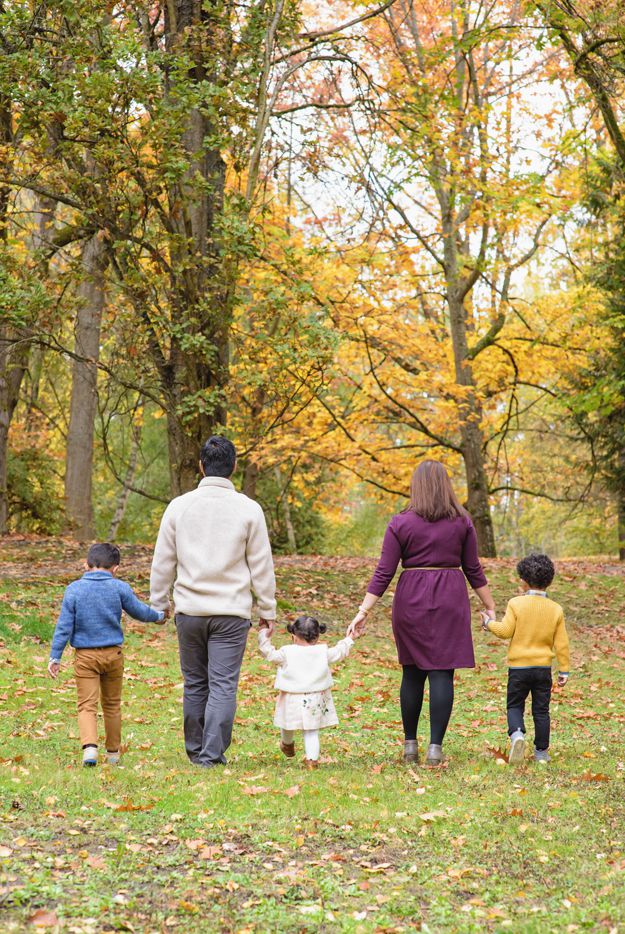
(307,627)
(103,555)
(536,570)
(218,457)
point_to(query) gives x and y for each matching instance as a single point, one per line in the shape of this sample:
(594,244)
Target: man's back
(214,541)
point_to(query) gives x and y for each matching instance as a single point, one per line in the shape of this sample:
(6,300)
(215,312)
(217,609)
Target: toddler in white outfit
(304,680)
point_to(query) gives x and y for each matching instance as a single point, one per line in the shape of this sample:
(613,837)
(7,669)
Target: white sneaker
(90,756)
(517,748)
(542,756)
(112,758)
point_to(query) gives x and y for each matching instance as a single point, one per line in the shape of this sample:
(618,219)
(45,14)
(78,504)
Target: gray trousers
(211,652)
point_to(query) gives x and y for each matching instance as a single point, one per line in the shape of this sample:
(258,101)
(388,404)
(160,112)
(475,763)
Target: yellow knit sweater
(535,627)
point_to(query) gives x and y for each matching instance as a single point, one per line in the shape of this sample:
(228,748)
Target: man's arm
(260,562)
(164,562)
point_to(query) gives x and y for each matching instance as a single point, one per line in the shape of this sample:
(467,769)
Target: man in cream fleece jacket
(214,548)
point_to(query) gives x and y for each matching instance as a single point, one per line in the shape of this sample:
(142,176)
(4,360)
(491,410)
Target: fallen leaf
(430,816)
(210,852)
(292,791)
(254,790)
(129,806)
(44,919)
(96,862)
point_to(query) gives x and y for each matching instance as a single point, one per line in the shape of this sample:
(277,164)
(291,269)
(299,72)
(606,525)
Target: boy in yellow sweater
(535,626)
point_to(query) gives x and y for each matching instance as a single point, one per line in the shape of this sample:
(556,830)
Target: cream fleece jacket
(303,669)
(214,548)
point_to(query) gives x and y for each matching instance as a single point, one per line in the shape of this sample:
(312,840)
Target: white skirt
(305,711)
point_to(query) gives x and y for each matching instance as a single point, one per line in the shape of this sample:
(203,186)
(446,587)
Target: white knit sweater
(213,541)
(303,669)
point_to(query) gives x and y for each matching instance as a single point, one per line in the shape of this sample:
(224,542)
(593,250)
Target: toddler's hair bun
(291,628)
(322,628)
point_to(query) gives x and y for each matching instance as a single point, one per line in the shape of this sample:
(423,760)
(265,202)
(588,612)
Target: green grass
(364,844)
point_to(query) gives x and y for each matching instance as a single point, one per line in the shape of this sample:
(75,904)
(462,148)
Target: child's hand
(352,632)
(486,615)
(53,668)
(562,679)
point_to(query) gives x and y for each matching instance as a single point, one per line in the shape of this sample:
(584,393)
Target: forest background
(347,235)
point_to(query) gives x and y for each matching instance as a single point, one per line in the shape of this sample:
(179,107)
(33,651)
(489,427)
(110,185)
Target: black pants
(537,682)
(441,700)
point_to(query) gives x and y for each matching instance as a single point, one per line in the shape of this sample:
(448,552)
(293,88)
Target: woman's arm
(485,596)
(473,570)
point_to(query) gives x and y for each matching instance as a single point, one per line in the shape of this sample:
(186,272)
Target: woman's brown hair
(431,494)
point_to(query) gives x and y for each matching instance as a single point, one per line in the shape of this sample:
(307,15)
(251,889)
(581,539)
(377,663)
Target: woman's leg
(311,744)
(441,703)
(411,698)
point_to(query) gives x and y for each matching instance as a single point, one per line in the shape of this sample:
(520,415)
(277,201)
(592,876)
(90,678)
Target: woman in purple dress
(435,542)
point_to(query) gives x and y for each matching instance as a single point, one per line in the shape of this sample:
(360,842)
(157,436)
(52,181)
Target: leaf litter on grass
(351,838)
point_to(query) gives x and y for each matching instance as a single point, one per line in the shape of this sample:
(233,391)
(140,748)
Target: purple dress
(431,612)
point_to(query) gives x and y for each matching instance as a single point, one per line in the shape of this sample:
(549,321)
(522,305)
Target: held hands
(357,626)
(53,668)
(268,624)
(562,679)
(487,615)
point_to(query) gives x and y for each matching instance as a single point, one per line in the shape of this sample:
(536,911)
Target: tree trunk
(620,494)
(80,436)
(286,512)
(200,279)
(13,361)
(250,479)
(124,493)
(472,438)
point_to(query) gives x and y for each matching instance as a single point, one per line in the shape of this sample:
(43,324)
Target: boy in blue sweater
(90,620)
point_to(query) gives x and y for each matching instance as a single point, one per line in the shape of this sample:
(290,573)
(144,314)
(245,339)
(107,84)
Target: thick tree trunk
(472,438)
(80,436)
(200,286)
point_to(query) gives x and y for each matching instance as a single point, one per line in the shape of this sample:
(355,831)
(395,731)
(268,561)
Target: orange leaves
(128,805)
(253,790)
(499,754)
(42,918)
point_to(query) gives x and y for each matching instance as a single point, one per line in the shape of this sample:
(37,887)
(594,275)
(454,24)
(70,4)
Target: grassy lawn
(364,843)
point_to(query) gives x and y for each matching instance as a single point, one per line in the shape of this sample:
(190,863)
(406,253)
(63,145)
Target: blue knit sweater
(91,613)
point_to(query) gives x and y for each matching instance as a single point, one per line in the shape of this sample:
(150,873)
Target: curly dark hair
(536,570)
(307,627)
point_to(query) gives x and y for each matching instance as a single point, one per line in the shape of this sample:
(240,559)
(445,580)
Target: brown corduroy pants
(99,674)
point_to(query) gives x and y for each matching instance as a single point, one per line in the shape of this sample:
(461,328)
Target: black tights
(441,700)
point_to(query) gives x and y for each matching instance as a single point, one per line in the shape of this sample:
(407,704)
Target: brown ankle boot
(411,751)
(311,764)
(288,749)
